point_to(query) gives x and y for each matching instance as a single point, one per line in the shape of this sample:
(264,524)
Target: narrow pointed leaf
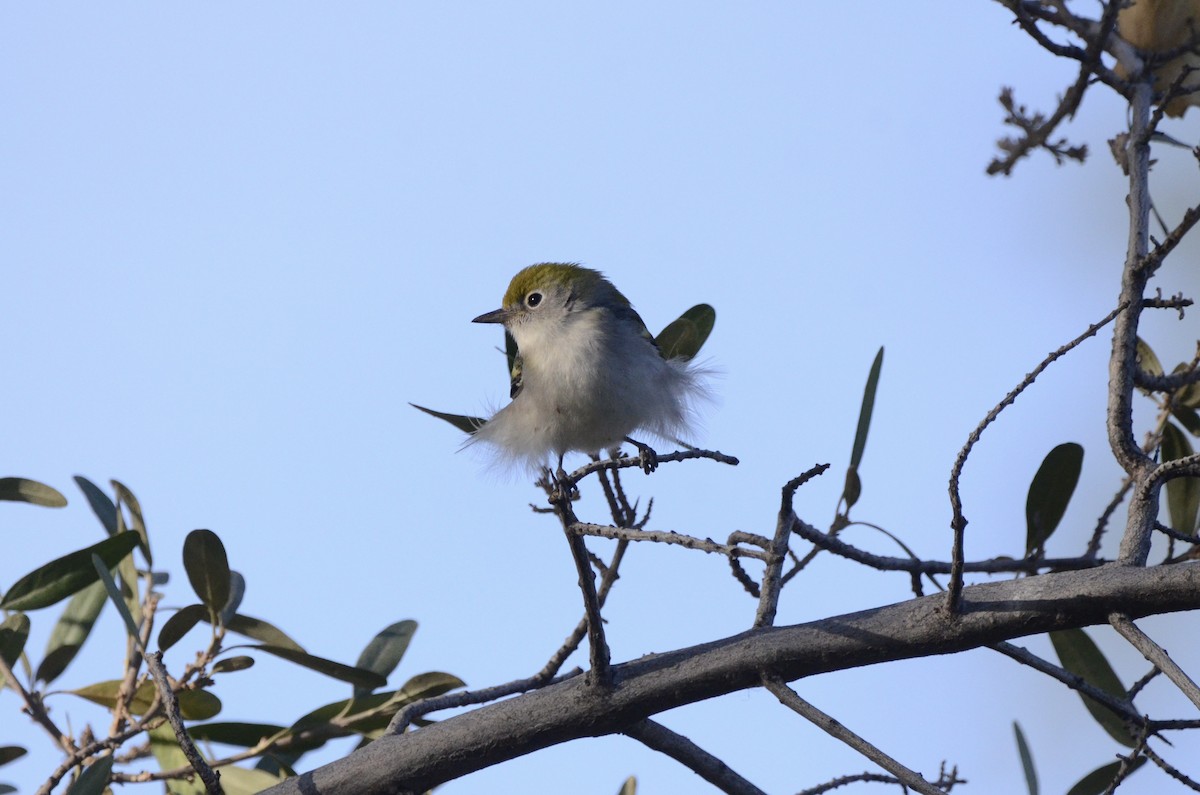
(14,631)
(1079,654)
(102,506)
(136,522)
(629,787)
(25,490)
(1096,782)
(685,336)
(385,650)
(180,624)
(1050,492)
(231,664)
(1183,494)
(10,752)
(261,631)
(1031,781)
(67,575)
(428,685)
(72,629)
(207,568)
(852,489)
(463,422)
(336,670)
(864,413)
(165,747)
(114,593)
(193,704)
(94,779)
(243,735)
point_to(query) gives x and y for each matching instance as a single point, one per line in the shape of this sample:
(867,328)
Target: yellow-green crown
(583,281)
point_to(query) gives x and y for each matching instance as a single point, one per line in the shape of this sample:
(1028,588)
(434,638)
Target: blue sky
(241,238)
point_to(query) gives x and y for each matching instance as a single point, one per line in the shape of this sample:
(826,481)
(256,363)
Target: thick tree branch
(572,709)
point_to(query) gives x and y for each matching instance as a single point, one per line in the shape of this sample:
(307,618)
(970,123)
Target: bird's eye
(533,299)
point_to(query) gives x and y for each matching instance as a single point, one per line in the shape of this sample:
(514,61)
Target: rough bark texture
(573,709)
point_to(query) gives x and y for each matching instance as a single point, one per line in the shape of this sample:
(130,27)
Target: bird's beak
(495,316)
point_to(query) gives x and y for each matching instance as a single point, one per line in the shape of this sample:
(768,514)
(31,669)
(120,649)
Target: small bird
(586,373)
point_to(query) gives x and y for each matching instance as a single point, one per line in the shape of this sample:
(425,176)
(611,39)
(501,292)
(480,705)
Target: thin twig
(665,537)
(772,581)
(682,750)
(404,718)
(1122,707)
(788,697)
(625,462)
(958,521)
(1156,655)
(827,542)
(211,779)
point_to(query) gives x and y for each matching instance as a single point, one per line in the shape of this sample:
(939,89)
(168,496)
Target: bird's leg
(649,458)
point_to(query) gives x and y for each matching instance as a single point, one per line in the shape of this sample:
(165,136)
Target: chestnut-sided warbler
(586,374)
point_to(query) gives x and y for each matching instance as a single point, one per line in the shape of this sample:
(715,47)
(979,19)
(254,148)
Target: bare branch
(682,750)
(772,581)
(166,694)
(959,522)
(1156,655)
(573,709)
(825,722)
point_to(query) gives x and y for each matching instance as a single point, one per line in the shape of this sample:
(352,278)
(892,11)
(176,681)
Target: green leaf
(14,631)
(231,664)
(69,574)
(463,422)
(629,787)
(1031,780)
(385,650)
(137,523)
(1187,418)
(102,506)
(511,358)
(359,715)
(261,631)
(852,490)
(246,781)
(180,624)
(1079,654)
(1049,494)
(193,704)
(1183,494)
(1096,782)
(864,413)
(207,568)
(1147,360)
(336,670)
(94,779)
(241,734)
(10,752)
(428,685)
(114,593)
(165,747)
(685,336)
(24,490)
(72,629)
(237,590)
